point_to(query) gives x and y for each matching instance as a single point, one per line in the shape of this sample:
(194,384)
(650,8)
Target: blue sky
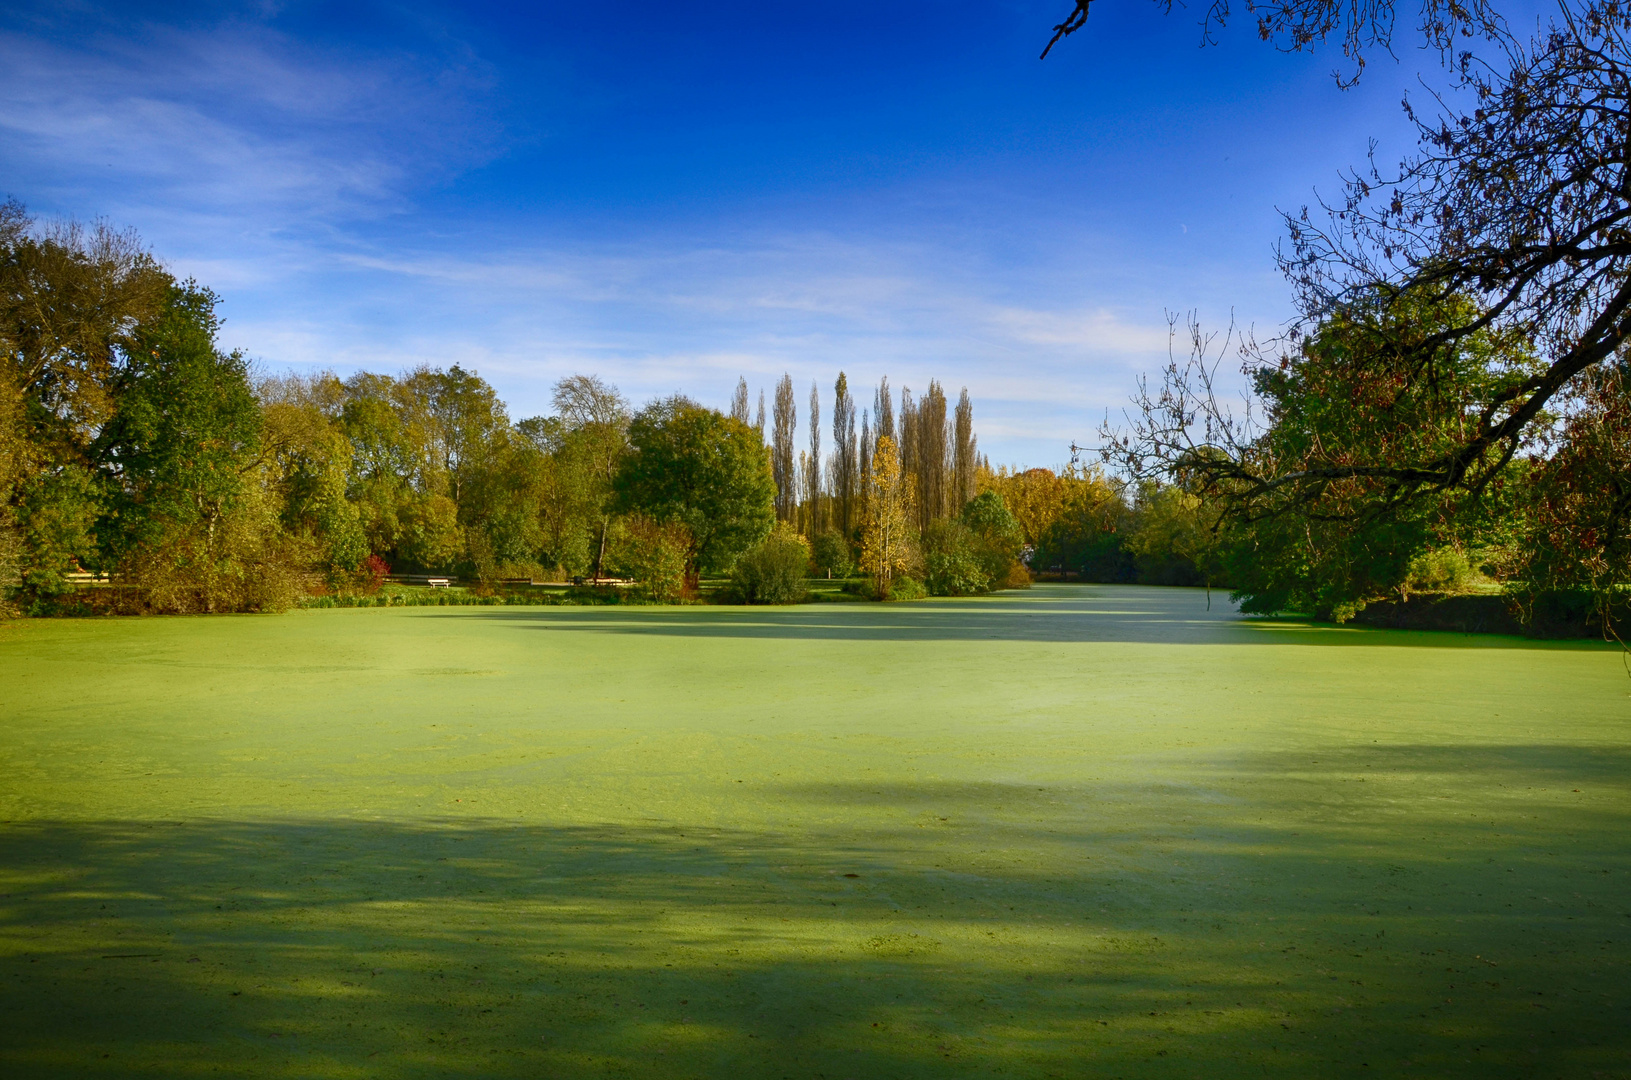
(675,195)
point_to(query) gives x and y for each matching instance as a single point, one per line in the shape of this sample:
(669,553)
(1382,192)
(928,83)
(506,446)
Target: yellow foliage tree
(886,537)
(1040,497)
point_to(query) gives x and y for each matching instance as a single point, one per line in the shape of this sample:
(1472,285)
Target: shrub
(901,587)
(906,588)
(831,555)
(953,565)
(655,554)
(1443,570)
(372,574)
(773,571)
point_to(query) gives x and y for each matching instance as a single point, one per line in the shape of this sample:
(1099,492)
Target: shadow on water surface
(947,930)
(1046,613)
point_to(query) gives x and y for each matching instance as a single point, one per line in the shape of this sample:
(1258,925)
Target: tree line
(134,449)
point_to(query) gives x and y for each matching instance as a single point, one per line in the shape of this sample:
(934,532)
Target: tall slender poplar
(863,472)
(815,518)
(965,456)
(883,413)
(906,444)
(783,463)
(846,467)
(929,459)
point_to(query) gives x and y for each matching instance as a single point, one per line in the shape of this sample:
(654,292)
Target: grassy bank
(1080,830)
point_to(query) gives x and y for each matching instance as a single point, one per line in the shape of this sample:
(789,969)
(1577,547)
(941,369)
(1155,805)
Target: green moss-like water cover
(1080,831)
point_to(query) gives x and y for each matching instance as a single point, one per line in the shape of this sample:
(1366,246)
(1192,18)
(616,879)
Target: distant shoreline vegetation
(145,469)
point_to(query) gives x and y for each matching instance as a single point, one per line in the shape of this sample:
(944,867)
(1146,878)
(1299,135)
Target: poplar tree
(908,439)
(864,470)
(815,518)
(929,459)
(782,461)
(883,412)
(739,402)
(846,467)
(965,458)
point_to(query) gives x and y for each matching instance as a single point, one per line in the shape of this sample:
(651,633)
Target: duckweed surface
(1076,831)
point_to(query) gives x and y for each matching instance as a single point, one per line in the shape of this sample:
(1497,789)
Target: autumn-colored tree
(1040,497)
(888,547)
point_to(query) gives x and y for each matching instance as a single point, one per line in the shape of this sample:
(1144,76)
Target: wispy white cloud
(693,315)
(232,128)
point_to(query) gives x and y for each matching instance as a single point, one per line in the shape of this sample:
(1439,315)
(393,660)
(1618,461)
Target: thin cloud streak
(695,319)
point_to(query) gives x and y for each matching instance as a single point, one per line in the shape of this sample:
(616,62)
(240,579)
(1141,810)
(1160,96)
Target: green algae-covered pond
(1075,831)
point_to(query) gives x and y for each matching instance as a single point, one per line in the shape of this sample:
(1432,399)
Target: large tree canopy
(704,470)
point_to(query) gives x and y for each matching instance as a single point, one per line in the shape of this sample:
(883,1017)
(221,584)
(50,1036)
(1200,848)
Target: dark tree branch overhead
(1073,22)
(1360,25)
(1451,311)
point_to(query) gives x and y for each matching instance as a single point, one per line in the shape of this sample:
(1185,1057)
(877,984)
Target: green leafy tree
(831,554)
(307,461)
(706,471)
(72,300)
(1575,529)
(997,540)
(386,464)
(1353,538)
(187,519)
(593,437)
(1174,539)
(572,510)
(458,423)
